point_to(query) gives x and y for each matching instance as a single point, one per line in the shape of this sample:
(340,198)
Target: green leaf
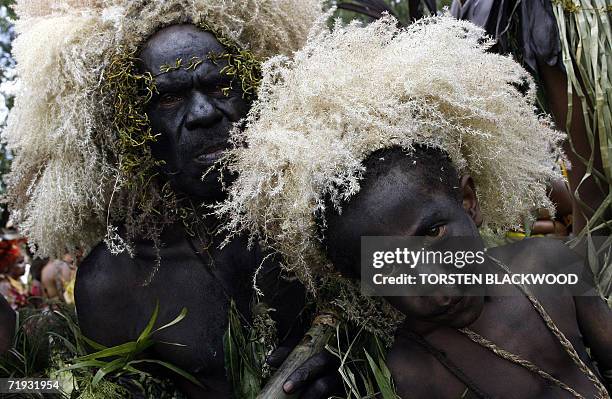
(109,368)
(383,378)
(178,319)
(149,328)
(93,344)
(171,367)
(119,350)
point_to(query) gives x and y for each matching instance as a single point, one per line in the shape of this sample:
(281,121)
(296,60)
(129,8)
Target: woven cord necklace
(552,327)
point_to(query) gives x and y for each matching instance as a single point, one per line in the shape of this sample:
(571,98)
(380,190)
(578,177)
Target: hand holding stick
(322,329)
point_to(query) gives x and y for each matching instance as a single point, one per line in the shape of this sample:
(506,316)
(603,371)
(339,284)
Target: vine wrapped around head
(78,128)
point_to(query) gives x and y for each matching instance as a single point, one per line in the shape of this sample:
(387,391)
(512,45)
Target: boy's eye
(436,231)
(169,100)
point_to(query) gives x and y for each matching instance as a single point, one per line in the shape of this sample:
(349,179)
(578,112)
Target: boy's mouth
(463,312)
(447,310)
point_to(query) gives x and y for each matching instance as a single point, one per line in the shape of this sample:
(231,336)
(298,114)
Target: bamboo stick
(322,329)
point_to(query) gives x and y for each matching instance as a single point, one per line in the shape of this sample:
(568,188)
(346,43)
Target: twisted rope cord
(480,340)
(550,324)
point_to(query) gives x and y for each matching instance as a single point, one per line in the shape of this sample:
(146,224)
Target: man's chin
(207,189)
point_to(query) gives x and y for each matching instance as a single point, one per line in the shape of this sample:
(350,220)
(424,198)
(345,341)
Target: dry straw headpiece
(354,90)
(77,128)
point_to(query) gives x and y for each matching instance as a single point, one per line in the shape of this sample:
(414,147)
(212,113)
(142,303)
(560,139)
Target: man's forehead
(180,78)
(178,42)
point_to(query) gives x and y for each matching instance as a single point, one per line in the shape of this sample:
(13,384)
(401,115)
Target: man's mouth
(210,156)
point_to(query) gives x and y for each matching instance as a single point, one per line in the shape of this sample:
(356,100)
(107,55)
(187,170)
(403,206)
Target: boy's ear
(470,201)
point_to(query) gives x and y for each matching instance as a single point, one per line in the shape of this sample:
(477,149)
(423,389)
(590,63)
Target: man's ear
(470,201)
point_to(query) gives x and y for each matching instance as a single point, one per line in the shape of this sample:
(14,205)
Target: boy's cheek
(418,307)
(434,309)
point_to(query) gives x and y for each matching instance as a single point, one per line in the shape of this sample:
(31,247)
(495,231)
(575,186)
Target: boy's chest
(511,324)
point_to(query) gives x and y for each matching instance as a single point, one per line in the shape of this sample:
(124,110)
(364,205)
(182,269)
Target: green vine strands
(242,66)
(131,92)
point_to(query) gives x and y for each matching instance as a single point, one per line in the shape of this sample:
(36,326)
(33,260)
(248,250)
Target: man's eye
(168,100)
(220,92)
(437,231)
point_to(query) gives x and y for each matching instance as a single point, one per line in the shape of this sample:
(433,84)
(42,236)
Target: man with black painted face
(190,111)
(135,107)
(192,115)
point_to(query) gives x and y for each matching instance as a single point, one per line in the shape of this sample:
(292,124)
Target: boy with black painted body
(433,357)
(382,131)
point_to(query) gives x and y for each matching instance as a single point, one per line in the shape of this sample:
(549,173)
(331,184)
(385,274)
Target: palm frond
(586,42)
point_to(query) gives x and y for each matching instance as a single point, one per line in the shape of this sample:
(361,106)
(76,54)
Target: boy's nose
(202,113)
(446,301)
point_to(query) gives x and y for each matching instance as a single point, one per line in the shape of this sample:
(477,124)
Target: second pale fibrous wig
(78,128)
(356,90)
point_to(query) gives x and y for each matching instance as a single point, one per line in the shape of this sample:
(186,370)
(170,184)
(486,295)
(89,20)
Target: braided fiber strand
(551,325)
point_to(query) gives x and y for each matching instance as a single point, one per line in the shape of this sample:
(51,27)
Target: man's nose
(202,113)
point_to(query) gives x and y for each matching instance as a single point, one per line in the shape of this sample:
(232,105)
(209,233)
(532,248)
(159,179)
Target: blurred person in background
(56,275)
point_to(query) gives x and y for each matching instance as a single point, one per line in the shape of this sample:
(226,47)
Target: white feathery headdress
(66,186)
(355,90)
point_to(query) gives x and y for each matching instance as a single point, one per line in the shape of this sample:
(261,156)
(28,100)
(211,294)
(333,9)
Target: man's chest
(204,283)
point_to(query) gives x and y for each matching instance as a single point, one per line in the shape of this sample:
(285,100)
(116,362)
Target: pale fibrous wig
(354,90)
(66,188)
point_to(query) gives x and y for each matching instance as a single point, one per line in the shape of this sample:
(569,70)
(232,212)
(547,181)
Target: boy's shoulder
(537,255)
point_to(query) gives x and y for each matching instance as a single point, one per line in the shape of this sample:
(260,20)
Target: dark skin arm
(7,325)
(593,315)
(555,86)
(595,321)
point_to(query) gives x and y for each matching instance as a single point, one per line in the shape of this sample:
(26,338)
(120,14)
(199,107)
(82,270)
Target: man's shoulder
(103,295)
(101,264)
(102,276)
